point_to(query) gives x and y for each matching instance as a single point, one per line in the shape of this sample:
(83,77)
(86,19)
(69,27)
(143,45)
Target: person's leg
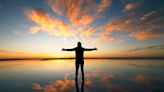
(82,86)
(82,70)
(77,68)
(77,86)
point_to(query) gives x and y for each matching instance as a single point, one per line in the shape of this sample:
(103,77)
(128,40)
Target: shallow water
(100,76)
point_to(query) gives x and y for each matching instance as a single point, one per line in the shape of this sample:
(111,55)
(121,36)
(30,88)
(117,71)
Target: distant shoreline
(8,59)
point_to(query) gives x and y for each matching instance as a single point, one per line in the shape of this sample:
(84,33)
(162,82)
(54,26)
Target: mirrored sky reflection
(118,28)
(100,76)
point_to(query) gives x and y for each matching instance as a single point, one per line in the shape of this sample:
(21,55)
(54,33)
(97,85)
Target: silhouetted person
(77,86)
(79,50)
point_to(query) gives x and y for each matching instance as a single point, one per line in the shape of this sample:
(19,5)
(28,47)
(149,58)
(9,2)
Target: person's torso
(79,51)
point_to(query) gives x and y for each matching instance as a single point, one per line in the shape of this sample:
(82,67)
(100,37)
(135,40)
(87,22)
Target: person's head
(79,44)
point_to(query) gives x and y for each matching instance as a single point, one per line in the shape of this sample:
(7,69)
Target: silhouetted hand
(63,49)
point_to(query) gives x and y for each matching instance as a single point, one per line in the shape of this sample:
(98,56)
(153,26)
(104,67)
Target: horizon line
(6,59)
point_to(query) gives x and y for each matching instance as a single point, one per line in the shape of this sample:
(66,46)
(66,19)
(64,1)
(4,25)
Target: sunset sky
(118,28)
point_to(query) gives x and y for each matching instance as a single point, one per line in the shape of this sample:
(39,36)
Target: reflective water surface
(100,76)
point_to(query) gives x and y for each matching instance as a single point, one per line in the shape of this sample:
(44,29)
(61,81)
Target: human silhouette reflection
(79,51)
(77,86)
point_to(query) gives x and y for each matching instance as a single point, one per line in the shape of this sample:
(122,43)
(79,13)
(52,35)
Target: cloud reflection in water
(97,81)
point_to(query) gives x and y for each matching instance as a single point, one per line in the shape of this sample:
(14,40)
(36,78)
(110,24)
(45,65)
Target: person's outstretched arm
(68,49)
(90,49)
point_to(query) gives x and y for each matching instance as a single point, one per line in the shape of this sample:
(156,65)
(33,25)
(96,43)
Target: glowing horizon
(40,29)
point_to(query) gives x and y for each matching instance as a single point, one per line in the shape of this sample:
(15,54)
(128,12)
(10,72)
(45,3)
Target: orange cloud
(79,12)
(11,54)
(88,31)
(66,84)
(40,17)
(118,25)
(144,35)
(145,79)
(44,22)
(106,77)
(73,10)
(87,34)
(103,5)
(56,86)
(34,29)
(129,6)
(148,22)
(106,36)
(86,19)
(37,86)
(89,82)
(141,78)
(50,88)
(98,74)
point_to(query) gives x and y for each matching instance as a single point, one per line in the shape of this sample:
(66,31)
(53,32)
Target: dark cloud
(149,66)
(159,47)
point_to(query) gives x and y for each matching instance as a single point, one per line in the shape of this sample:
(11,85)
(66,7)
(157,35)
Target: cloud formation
(37,86)
(76,18)
(103,5)
(105,81)
(159,47)
(79,12)
(129,6)
(112,26)
(145,79)
(56,86)
(147,15)
(77,15)
(142,35)
(149,25)
(44,22)
(150,66)
(66,84)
